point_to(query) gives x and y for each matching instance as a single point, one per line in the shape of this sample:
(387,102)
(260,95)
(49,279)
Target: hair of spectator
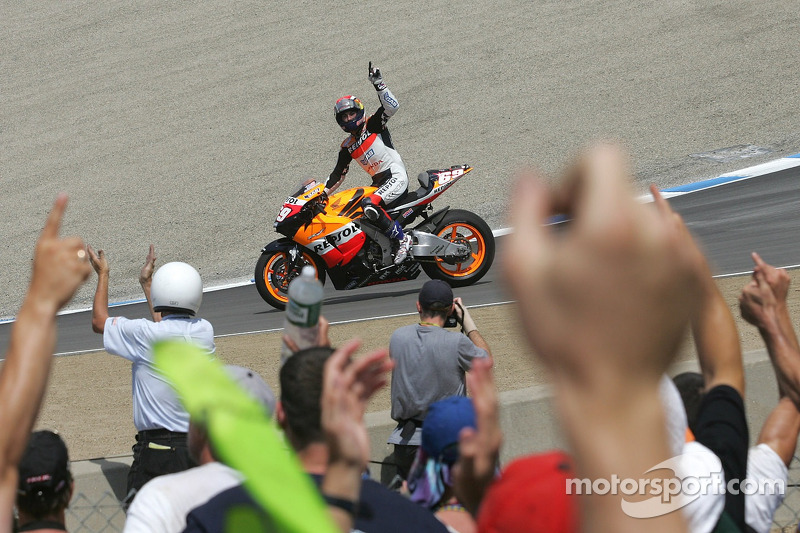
(301,393)
(433,313)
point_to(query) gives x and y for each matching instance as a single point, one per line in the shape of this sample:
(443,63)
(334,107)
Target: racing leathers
(371,146)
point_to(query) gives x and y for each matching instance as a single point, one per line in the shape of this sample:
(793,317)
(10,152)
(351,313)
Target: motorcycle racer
(370,144)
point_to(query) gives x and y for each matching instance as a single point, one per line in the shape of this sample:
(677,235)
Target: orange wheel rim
(275,275)
(461,232)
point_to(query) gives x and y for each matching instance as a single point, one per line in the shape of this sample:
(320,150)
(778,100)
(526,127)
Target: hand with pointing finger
(605,303)
(375,77)
(59,265)
(777,278)
(59,269)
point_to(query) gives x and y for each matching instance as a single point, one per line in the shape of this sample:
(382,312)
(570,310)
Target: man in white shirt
(161,421)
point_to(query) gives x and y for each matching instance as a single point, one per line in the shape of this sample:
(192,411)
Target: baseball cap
(44,468)
(531,495)
(254,384)
(436,294)
(444,421)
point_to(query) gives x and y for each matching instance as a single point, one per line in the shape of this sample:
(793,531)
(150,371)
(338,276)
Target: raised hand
(346,390)
(322,336)
(146,273)
(347,387)
(375,77)
(777,278)
(98,260)
(59,265)
(605,303)
(616,285)
(479,449)
(59,268)
(757,301)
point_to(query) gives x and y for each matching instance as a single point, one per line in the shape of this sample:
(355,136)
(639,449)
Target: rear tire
(463,226)
(274,272)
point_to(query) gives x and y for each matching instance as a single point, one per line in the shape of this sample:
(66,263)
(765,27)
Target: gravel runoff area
(186,124)
(95,414)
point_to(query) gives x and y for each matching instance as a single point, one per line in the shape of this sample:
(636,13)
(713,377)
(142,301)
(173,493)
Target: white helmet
(177,286)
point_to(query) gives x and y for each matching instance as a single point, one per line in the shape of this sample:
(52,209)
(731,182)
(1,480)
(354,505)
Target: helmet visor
(346,103)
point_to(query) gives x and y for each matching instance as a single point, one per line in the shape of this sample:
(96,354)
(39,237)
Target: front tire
(274,271)
(464,227)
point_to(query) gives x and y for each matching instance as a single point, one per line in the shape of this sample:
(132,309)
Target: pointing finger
(601,186)
(757,260)
(661,203)
(528,212)
(53,223)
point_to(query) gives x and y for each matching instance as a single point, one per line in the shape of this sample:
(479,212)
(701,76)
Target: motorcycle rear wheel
(465,227)
(274,272)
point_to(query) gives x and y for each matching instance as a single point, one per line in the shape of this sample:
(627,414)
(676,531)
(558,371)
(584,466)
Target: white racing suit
(372,148)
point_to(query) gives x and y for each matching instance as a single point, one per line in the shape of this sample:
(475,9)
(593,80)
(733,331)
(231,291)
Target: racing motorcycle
(332,235)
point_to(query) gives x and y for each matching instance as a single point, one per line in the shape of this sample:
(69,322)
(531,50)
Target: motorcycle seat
(424,179)
(426,185)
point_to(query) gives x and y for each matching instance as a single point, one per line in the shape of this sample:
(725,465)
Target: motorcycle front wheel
(274,271)
(463,227)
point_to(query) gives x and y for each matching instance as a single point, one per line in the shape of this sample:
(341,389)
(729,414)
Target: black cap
(45,466)
(436,295)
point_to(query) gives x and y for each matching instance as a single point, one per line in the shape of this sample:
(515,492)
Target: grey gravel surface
(186,124)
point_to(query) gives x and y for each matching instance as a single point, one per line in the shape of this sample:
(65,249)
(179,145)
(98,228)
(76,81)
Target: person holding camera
(430,364)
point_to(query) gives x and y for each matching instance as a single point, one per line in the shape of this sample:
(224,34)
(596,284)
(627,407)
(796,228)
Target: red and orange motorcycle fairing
(331,234)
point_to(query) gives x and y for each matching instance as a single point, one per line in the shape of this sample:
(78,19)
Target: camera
(452,319)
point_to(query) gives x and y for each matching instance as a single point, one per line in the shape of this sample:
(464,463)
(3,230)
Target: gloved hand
(375,78)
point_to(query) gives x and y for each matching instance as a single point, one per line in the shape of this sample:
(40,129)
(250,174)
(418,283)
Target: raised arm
(763,303)
(146,280)
(717,340)
(100,302)
(713,326)
(470,329)
(605,304)
(761,307)
(389,102)
(347,388)
(479,448)
(59,268)
(778,280)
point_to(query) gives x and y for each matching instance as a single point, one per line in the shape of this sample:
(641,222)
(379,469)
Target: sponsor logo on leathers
(358,141)
(388,100)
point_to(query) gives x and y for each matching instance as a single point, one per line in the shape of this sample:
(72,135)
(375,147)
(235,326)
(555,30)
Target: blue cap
(444,421)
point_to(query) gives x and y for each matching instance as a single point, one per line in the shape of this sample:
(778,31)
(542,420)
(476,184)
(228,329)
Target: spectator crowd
(604,301)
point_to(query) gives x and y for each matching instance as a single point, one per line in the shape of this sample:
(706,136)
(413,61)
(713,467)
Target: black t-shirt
(380,511)
(721,426)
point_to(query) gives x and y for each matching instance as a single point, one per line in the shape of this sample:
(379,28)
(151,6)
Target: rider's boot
(396,232)
(391,228)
